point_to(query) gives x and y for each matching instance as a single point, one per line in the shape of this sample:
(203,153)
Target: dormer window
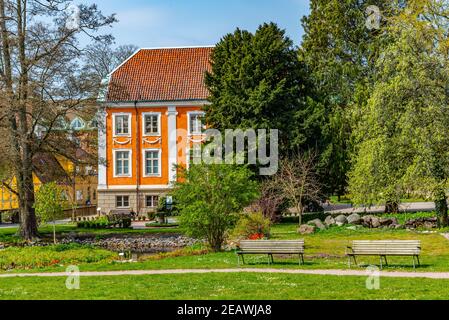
(77,124)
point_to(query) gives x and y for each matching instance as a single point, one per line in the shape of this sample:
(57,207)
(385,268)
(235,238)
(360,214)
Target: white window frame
(81,121)
(189,129)
(188,150)
(115,134)
(130,174)
(144,163)
(123,206)
(158,133)
(152,201)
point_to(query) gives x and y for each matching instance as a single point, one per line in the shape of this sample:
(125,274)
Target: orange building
(150,122)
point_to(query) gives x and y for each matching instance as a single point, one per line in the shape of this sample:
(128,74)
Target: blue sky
(161,23)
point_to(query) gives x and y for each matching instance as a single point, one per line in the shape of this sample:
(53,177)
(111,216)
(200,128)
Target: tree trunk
(28,222)
(441,209)
(391,207)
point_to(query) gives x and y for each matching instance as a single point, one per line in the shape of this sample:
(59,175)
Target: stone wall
(107,200)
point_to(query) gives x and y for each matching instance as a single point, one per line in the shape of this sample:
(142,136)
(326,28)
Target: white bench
(384,248)
(270,247)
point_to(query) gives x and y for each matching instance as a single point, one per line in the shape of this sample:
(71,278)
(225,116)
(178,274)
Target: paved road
(430,275)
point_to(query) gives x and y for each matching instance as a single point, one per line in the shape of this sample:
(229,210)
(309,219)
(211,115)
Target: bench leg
(272,259)
(269,261)
(302,258)
(414,265)
(386,262)
(238,260)
(419,263)
(380,262)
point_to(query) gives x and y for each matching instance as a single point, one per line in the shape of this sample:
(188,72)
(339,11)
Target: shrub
(252,226)
(210,196)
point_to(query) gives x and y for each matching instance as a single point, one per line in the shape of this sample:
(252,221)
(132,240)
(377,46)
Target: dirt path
(431,275)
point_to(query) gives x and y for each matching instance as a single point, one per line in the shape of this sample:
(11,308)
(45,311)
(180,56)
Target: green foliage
(49,202)
(209,198)
(40,257)
(99,223)
(403,145)
(339,53)
(257,82)
(252,225)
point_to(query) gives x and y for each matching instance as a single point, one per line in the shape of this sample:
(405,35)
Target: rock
(428,223)
(375,222)
(354,219)
(306,229)
(317,223)
(329,221)
(341,220)
(385,222)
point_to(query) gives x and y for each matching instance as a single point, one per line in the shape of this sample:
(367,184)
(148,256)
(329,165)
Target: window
(151,124)
(196,123)
(152,201)
(122,124)
(79,195)
(152,162)
(94,195)
(122,163)
(194,155)
(77,124)
(122,201)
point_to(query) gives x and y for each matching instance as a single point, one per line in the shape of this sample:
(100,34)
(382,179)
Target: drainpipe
(137,159)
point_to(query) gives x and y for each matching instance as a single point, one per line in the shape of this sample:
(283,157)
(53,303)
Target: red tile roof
(161,75)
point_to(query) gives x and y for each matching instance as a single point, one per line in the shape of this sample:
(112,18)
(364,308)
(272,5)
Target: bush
(252,226)
(209,198)
(106,222)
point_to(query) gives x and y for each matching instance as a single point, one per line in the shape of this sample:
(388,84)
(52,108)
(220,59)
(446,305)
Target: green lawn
(222,287)
(324,250)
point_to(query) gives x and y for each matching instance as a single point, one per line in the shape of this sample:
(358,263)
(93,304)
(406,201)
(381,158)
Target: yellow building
(78,180)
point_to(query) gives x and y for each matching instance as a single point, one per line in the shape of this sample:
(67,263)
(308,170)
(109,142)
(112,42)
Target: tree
(210,197)
(256,82)
(297,181)
(339,53)
(41,79)
(49,204)
(103,58)
(405,129)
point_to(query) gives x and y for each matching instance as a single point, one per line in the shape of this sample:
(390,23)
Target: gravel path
(430,275)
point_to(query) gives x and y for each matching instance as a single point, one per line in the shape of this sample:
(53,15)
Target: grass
(248,286)
(324,250)
(41,257)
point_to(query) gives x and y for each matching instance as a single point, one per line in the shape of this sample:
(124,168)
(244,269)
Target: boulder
(354,219)
(306,229)
(317,223)
(329,221)
(371,221)
(341,220)
(375,222)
